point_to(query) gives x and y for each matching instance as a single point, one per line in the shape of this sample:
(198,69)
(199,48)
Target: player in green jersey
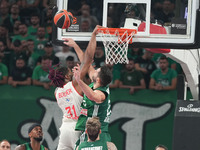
(96,100)
(93,130)
(36,135)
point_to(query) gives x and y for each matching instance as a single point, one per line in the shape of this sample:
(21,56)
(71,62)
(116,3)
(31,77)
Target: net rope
(116,46)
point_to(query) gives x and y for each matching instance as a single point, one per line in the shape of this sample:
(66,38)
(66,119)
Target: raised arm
(70,42)
(89,54)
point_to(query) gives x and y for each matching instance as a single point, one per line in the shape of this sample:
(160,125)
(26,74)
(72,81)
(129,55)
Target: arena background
(140,121)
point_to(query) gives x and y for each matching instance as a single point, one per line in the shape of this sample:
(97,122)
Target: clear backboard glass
(160,23)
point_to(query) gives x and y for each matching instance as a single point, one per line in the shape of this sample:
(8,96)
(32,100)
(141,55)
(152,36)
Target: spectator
(23,35)
(5,145)
(14,16)
(15,28)
(131,78)
(70,62)
(28,7)
(21,50)
(21,74)
(35,134)
(146,66)
(40,73)
(99,57)
(49,53)
(93,131)
(163,78)
(135,52)
(66,52)
(85,15)
(161,147)
(3,73)
(85,26)
(34,24)
(44,5)
(40,41)
(166,14)
(172,64)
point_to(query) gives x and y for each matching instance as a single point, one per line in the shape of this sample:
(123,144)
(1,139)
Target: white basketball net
(116,46)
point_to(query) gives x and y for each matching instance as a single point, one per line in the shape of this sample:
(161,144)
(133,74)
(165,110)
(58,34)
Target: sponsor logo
(67,99)
(189,108)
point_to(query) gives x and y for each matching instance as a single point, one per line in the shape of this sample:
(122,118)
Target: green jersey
(3,71)
(97,145)
(164,79)
(131,78)
(21,38)
(28,146)
(92,109)
(40,74)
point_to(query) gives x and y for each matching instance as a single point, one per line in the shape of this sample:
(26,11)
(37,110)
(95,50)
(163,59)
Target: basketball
(63,19)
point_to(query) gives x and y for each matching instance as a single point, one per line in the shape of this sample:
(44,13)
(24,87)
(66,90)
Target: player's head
(4,145)
(103,75)
(60,76)
(161,147)
(163,63)
(35,132)
(93,128)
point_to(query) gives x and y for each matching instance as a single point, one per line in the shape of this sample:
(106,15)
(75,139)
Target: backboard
(160,23)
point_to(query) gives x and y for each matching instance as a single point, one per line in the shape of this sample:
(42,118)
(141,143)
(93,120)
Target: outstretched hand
(95,31)
(69,42)
(76,72)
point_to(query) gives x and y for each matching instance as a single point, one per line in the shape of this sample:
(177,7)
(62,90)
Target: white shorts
(68,136)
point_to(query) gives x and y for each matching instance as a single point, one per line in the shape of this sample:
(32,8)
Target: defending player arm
(70,42)
(96,95)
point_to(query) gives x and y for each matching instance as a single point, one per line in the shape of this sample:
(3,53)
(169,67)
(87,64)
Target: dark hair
(162,146)
(35,15)
(163,58)
(105,76)
(131,59)
(20,58)
(45,57)
(33,126)
(57,76)
(70,58)
(93,127)
(23,24)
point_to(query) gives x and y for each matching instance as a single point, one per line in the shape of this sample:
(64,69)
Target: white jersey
(69,100)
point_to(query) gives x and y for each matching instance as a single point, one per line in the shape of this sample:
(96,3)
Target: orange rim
(120,30)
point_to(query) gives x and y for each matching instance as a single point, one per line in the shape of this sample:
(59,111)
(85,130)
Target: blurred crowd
(26,49)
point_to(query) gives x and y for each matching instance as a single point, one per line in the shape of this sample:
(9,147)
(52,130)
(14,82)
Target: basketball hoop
(115,41)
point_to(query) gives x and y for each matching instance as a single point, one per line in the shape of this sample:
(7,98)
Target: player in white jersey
(69,98)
